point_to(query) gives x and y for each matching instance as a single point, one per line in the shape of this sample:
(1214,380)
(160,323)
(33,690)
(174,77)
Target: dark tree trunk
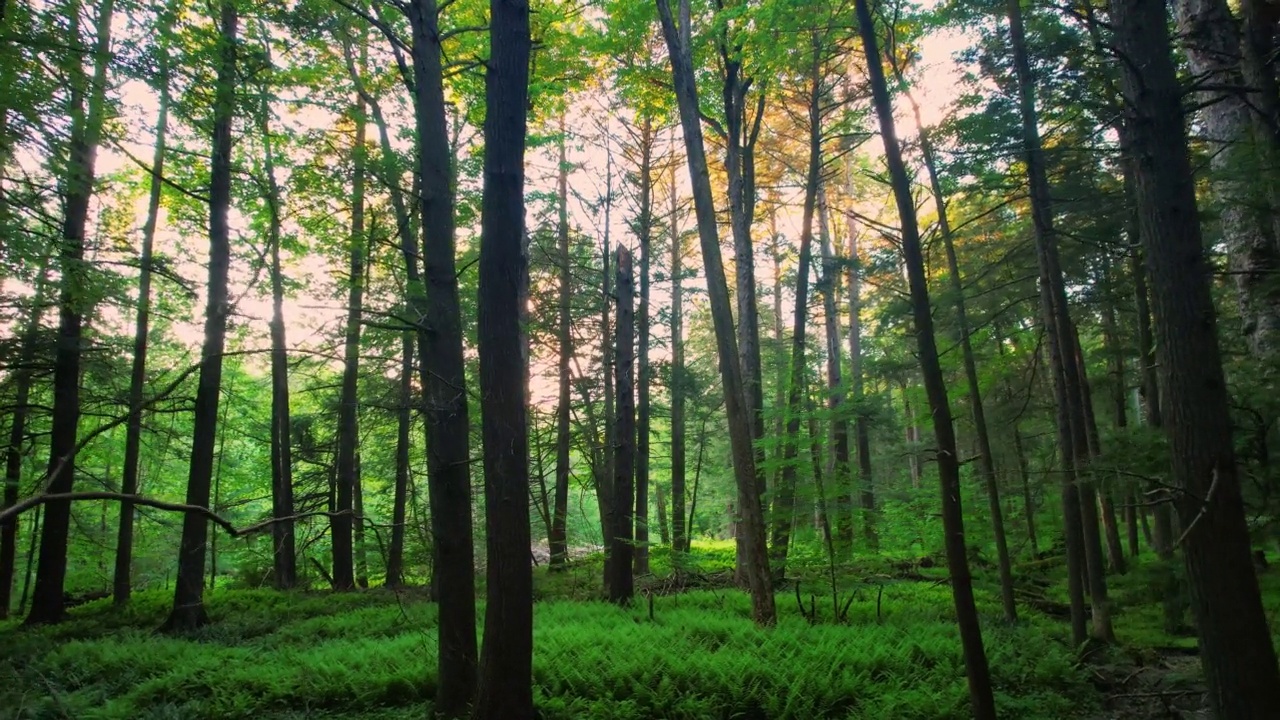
(980,692)
(784,497)
(1028,505)
(837,466)
(740,417)
(188,599)
(644,375)
(349,404)
(679,531)
(556,540)
(621,555)
(47,600)
(506,666)
(22,378)
(604,483)
(987,466)
(443,377)
(1235,644)
(404,421)
(1079,502)
(861,422)
(660,500)
(122,583)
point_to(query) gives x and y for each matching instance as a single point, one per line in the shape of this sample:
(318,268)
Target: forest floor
(686,649)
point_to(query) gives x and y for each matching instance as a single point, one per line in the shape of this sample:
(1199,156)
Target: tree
(506,667)
(556,541)
(86,131)
(756,560)
(1236,653)
(621,541)
(188,598)
(980,692)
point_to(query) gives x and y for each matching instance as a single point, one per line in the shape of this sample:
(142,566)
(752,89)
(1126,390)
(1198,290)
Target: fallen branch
(20,507)
(1204,508)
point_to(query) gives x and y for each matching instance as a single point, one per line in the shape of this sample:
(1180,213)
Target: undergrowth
(372,655)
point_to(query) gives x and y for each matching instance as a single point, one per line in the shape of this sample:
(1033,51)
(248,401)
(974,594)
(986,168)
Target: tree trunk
(987,466)
(621,548)
(47,600)
(506,665)
(556,540)
(741,433)
(22,377)
(284,563)
(912,437)
(660,499)
(122,584)
(404,421)
(1213,44)
(443,377)
(1235,645)
(861,422)
(1028,505)
(604,486)
(1079,509)
(679,381)
(980,692)
(784,497)
(188,600)
(644,375)
(838,432)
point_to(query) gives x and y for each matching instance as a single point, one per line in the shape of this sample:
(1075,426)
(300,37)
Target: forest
(632,359)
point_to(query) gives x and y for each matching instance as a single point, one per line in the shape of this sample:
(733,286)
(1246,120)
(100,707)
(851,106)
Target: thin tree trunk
(980,692)
(122,580)
(47,599)
(404,421)
(1079,504)
(188,600)
(644,374)
(987,466)
(861,423)
(741,433)
(838,431)
(679,381)
(1236,652)
(660,499)
(604,486)
(22,377)
(506,665)
(556,540)
(912,437)
(443,378)
(349,404)
(1028,505)
(621,550)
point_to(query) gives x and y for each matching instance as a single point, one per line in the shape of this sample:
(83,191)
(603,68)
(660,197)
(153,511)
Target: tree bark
(443,377)
(506,664)
(837,466)
(861,423)
(1236,652)
(644,374)
(188,599)
(404,421)
(621,547)
(556,540)
(1083,540)
(679,381)
(741,433)
(980,692)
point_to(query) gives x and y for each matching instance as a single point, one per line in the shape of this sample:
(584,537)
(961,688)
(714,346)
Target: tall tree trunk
(838,432)
(980,692)
(556,540)
(741,433)
(404,421)
(784,502)
(443,376)
(1213,44)
(349,404)
(912,437)
(86,129)
(1119,395)
(122,583)
(987,465)
(621,548)
(188,599)
(22,377)
(506,665)
(284,561)
(1079,499)
(660,500)
(644,375)
(604,483)
(1236,652)
(1028,506)
(861,422)
(679,381)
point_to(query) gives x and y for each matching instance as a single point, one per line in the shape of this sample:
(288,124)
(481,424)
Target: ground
(690,653)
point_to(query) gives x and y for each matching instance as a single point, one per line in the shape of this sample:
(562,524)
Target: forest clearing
(750,359)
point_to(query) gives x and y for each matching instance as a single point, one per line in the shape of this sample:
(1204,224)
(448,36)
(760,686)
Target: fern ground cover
(372,655)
